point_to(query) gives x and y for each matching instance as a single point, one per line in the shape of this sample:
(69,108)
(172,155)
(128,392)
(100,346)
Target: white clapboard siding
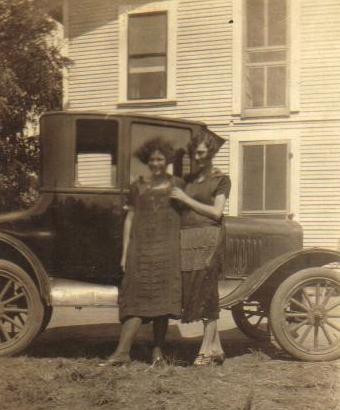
(320,186)
(94,170)
(320,56)
(204,89)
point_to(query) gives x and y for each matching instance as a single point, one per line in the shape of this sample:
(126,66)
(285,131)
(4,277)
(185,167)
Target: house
(264,74)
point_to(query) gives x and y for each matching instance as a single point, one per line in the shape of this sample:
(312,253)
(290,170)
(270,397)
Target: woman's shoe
(203,360)
(157,358)
(116,361)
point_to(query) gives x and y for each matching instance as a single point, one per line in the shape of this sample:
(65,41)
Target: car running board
(72,293)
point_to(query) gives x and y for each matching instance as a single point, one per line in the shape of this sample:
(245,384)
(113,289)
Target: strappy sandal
(202,360)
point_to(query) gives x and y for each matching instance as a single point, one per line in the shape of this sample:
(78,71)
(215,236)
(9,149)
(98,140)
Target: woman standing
(151,287)
(202,243)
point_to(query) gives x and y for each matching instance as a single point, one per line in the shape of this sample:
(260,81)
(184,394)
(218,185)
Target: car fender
(24,257)
(269,276)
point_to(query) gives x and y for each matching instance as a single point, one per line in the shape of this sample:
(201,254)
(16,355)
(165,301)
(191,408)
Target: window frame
(265,135)
(264,212)
(168,7)
(293,64)
(120,163)
(264,111)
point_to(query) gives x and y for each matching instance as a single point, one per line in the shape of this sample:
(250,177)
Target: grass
(64,374)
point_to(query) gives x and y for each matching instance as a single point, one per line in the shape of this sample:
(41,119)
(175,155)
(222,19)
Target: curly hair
(144,152)
(211,140)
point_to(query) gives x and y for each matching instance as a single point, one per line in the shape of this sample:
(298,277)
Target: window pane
(276,177)
(147,85)
(148,34)
(179,137)
(266,56)
(97,153)
(277,22)
(252,177)
(255,89)
(276,77)
(255,23)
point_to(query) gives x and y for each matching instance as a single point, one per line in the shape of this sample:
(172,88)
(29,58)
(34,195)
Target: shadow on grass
(99,341)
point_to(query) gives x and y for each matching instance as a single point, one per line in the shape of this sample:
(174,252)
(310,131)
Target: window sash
(264,181)
(158,70)
(277,56)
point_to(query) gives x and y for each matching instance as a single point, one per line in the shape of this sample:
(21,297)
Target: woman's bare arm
(126,236)
(211,211)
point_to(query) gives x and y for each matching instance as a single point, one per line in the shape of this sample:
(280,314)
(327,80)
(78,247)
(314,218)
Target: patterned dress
(151,285)
(202,249)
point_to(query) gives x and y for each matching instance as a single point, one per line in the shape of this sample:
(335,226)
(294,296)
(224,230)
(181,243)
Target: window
(147,56)
(96,153)
(178,136)
(265,57)
(264,181)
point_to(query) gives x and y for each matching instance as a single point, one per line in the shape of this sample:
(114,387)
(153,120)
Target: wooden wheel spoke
(333,306)
(297,303)
(305,334)
(327,297)
(19,316)
(13,298)
(15,310)
(257,324)
(326,333)
(296,327)
(13,322)
(295,314)
(4,332)
(333,325)
(317,293)
(5,289)
(306,297)
(316,336)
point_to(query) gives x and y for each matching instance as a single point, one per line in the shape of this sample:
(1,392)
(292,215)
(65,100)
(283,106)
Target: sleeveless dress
(202,249)
(151,285)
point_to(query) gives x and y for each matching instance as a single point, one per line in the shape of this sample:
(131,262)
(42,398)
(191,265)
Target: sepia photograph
(170,204)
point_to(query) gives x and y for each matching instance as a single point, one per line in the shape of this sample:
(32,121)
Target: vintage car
(65,251)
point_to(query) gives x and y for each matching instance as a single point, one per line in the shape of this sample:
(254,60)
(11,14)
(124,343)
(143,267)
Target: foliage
(30,83)
(19,162)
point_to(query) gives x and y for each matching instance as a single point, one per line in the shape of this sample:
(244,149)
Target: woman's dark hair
(144,152)
(211,140)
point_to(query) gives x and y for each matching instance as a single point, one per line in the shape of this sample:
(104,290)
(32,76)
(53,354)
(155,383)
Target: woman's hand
(179,195)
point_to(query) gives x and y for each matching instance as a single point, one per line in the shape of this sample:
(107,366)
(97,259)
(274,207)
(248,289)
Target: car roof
(125,114)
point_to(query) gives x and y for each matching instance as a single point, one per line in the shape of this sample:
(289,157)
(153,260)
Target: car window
(96,153)
(178,136)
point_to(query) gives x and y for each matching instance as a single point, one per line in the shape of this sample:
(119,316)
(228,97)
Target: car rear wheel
(251,319)
(305,314)
(21,309)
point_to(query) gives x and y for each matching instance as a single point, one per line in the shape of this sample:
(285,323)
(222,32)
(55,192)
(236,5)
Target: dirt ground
(60,371)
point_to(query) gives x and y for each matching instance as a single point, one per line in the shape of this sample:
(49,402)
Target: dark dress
(202,249)
(151,285)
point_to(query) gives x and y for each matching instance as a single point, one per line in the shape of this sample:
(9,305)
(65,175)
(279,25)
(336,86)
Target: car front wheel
(21,309)
(305,314)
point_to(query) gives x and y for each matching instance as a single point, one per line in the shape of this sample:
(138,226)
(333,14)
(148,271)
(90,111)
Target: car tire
(21,309)
(303,313)
(251,322)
